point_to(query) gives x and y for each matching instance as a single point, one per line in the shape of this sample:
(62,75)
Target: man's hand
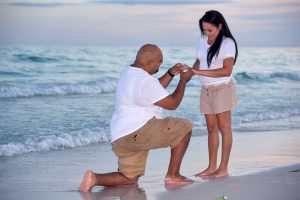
(177,68)
(186,74)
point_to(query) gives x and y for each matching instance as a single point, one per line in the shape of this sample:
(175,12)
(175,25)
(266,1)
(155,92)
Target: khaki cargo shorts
(218,99)
(132,150)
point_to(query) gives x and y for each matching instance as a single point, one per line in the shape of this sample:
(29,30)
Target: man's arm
(172,101)
(196,64)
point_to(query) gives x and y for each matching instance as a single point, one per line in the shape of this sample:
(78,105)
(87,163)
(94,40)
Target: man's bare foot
(178,180)
(217,174)
(87,182)
(206,172)
(175,185)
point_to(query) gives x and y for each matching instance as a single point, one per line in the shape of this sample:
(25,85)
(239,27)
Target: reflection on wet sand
(127,192)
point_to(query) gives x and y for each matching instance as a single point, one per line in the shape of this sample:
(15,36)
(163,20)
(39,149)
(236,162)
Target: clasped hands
(186,72)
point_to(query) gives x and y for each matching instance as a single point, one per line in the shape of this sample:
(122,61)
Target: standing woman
(216,55)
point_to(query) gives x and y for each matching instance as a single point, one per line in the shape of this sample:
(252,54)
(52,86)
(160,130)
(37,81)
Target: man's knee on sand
(131,180)
(189,124)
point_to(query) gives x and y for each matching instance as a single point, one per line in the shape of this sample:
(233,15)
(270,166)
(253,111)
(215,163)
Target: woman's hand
(196,72)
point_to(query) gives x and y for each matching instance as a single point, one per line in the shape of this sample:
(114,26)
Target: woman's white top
(227,50)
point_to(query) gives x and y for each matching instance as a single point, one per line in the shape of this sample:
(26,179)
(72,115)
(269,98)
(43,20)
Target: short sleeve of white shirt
(150,91)
(228,48)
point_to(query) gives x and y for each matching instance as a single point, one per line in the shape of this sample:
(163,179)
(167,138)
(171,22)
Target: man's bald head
(147,55)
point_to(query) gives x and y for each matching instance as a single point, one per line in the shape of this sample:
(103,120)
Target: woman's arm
(226,70)
(196,64)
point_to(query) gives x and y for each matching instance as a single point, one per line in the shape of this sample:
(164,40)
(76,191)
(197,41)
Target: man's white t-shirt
(137,91)
(227,50)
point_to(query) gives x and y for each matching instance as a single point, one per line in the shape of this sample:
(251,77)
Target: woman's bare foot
(206,172)
(87,182)
(218,174)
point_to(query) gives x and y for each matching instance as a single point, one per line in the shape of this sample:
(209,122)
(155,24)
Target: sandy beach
(264,165)
(60,65)
(278,183)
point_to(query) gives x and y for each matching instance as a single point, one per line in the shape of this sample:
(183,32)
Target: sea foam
(51,142)
(244,76)
(50,90)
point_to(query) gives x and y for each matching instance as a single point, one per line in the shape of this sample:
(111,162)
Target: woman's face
(211,31)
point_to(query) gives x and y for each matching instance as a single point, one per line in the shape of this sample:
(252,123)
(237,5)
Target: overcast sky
(135,22)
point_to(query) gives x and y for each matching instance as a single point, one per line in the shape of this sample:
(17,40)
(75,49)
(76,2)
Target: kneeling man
(137,126)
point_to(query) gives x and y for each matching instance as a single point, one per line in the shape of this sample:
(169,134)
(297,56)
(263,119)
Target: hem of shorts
(218,112)
(136,174)
(216,84)
(181,138)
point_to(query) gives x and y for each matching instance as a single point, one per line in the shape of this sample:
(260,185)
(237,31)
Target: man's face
(157,62)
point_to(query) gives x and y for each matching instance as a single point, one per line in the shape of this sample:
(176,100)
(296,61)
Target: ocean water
(63,97)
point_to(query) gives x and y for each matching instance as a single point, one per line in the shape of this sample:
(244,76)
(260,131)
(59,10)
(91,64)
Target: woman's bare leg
(224,124)
(213,144)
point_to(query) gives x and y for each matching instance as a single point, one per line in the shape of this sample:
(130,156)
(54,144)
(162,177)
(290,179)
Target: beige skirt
(218,99)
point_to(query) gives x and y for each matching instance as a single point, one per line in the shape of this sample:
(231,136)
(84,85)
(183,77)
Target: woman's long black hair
(216,18)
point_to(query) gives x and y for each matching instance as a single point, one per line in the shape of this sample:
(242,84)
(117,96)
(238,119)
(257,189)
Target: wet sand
(260,168)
